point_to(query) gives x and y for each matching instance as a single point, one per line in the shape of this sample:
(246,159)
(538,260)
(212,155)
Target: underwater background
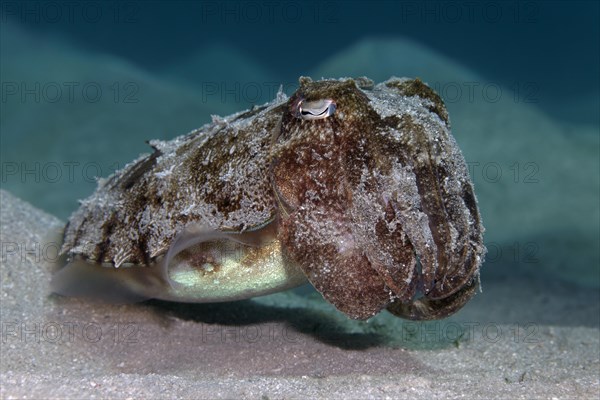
(85,84)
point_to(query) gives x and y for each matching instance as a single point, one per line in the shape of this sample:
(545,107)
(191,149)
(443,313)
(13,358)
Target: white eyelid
(318,109)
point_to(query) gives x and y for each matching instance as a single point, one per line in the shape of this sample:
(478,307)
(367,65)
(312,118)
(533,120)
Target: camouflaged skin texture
(373,202)
(216,176)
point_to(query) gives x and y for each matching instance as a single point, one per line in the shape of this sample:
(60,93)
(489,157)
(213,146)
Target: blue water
(551,44)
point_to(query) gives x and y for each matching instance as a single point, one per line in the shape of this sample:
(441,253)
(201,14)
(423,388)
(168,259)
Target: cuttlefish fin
(130,284)
(80,278)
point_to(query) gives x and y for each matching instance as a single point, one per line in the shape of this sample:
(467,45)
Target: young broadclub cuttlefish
(358,188)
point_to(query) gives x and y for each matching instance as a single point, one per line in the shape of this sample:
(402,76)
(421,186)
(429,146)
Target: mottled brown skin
(321,157)
(135,215)
(316,191)
(373,201)
(416,87)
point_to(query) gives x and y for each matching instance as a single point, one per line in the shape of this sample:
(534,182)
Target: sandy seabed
(510,342)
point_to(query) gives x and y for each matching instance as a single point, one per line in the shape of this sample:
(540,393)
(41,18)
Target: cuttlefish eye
(318,109)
